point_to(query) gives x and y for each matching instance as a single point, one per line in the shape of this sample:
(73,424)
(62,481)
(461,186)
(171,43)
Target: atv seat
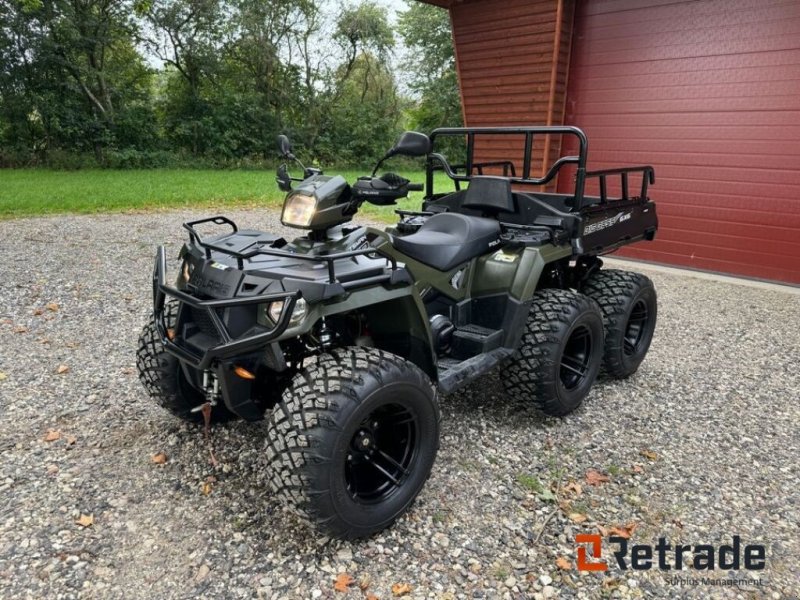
(446,240)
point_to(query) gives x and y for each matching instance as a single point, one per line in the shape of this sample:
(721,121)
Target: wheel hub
(364,441)
(381,453)
(576,358)
(635,328)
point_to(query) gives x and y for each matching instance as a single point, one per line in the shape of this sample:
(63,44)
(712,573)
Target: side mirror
(412,143)
(285,146)
(283,178)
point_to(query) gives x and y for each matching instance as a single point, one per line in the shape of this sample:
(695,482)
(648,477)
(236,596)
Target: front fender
(395,316)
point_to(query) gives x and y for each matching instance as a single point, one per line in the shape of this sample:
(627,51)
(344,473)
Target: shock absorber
(325,336)
(210,390)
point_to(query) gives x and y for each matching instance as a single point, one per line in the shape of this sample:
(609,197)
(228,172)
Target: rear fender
(532,264)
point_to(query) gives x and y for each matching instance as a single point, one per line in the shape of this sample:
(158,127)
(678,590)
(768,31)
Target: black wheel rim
(575,358)
(635,330)
(381,454)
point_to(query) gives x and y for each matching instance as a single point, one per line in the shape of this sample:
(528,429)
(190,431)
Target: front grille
(202,320)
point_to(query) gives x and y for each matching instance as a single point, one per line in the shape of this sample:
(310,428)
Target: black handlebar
(393,180)
(383,190)
(396,182)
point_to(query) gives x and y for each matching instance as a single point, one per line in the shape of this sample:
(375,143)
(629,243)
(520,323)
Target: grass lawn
(30,192)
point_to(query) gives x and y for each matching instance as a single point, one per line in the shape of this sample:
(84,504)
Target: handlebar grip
(415,187)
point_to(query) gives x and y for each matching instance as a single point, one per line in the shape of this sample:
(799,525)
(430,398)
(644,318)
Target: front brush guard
(230,346)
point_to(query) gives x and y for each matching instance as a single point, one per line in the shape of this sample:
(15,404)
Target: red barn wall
(709,93)
(511,72)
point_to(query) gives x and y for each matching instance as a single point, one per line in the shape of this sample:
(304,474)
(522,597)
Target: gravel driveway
(700,445)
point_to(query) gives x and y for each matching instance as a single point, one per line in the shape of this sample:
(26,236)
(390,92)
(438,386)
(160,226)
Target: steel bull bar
(230,346)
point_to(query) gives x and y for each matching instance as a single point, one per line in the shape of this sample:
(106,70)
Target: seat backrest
(491,195)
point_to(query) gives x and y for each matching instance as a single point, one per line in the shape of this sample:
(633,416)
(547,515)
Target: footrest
(454,374)
(471,340)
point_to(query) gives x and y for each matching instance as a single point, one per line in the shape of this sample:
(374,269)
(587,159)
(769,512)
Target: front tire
(560,352)
(163,379)
(353,440)
(629,304)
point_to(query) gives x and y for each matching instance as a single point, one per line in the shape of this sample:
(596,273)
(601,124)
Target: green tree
(22,129)
(363,28)
(72,70)
(188,37)
(358,111)
(426,31)
(363,119)
(214,79)
(259,68)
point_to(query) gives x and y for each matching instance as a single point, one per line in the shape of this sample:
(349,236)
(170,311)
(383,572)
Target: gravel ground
(700,445)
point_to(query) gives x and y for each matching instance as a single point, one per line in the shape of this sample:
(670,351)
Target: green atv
(342,338)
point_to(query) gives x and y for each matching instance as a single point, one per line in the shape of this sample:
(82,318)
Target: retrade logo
(596,544)
(666,557)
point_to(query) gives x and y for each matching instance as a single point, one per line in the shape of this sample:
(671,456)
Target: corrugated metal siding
(709,93)
(505,54)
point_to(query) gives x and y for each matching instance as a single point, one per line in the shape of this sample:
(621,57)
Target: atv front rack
(328,259)
(230,346)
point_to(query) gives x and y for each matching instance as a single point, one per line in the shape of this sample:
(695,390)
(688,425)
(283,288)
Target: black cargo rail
(328,259)
(648,178)
(525,177)
(508,168)
(230,346)
(437,162)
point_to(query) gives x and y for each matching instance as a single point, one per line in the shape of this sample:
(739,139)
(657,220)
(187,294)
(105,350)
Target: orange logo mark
(596,542)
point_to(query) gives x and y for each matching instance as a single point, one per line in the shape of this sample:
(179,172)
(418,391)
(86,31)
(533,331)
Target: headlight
(275,309)
(298,210)
(187,270)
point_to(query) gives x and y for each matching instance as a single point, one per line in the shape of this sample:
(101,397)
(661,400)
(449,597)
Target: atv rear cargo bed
(594,224)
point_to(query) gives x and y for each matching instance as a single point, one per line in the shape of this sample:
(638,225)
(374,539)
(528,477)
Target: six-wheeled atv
(343,337)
